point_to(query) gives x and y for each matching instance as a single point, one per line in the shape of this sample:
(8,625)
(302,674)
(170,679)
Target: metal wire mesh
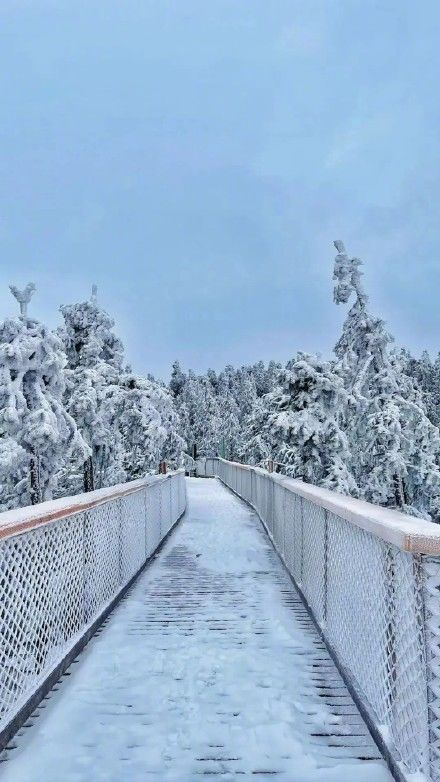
(57,578)
(377,605)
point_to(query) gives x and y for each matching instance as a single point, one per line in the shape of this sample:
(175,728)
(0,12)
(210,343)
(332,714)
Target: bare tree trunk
(35,479)
(89,478)
(399,491)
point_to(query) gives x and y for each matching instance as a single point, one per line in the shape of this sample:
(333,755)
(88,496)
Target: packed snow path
(210,666)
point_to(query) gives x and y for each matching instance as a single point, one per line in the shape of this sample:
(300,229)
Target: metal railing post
(430,567)
(301,577)
(324,607)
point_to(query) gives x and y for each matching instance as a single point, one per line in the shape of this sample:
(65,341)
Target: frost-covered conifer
(273,371)
(245,393)
(256,439)
(305,417)
(435,392)
(426,375)
(88,335)
(37,434)
(148,407)
(200,416)
(140,425)
(229,412)
(231,434)
(265,379)
(215,410)
(95,359)
(393,444)
(130,422)
(213,379)
(178,379)
(174,445)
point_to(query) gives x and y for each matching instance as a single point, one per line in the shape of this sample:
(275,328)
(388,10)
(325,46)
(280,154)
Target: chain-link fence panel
(376,602)
(58,576)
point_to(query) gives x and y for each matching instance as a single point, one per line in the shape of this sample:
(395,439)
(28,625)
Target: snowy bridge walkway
(209,666)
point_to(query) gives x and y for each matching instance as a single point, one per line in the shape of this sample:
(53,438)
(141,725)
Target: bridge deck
(211,666)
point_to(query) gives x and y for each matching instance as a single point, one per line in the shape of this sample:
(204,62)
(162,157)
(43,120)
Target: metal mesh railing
(205,467)
(58,575)
(378,605)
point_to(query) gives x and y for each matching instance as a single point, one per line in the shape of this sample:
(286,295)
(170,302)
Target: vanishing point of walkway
(209,667)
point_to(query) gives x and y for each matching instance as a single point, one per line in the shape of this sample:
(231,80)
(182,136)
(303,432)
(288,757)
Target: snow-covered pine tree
(210,423)
(37,434)
(256,438)
(140,425)
(273,370)
(260,377)
(150,426)
(95,366)
(245,393)
(213,379)
(199,414)
(230,443)
(435,392)
(178,379)
(425,373)
(393,444)
(215,409)
(265,379)
(14,473)
(251,391)
(305,414)
(88,335)
(174,445)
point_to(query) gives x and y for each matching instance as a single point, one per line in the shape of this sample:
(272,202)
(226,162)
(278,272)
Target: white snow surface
(210,666)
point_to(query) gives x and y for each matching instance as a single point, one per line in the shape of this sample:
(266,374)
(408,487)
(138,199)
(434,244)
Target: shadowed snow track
(209,667)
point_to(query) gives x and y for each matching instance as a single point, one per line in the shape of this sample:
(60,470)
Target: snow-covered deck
(210,666)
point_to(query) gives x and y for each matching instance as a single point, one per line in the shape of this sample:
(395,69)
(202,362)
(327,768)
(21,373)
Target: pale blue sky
(196,159)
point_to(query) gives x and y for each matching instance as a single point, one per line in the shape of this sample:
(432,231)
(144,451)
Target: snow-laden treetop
(88,335)
(23,297)
(348,276)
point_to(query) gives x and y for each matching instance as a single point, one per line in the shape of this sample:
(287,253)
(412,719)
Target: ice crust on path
(209,667)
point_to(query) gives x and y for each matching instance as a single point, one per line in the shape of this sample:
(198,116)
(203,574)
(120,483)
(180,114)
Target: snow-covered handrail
(63,565)
(370,577)
(19,520)
(408,533)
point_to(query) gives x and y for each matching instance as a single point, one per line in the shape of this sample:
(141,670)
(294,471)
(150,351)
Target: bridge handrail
(408,533)
(370,577)
(19,520)
(63,565)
